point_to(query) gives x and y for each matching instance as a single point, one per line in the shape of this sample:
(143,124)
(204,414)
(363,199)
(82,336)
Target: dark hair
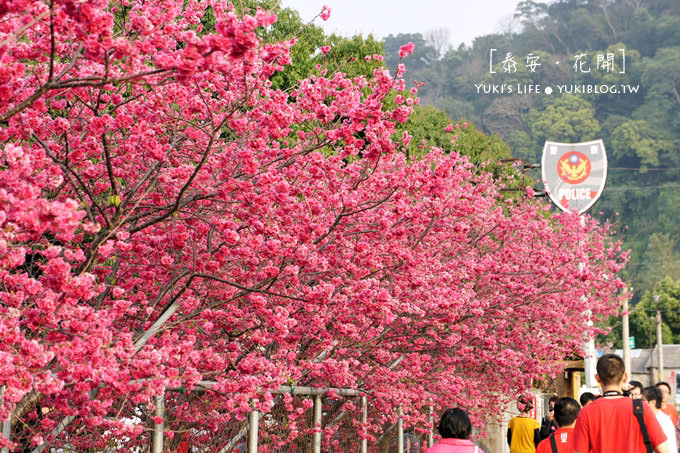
(553,399)
(455,424)
(525,402)
(610,369)
(566,411)
(666,384)
(636,384)
(653,396)
(586,397)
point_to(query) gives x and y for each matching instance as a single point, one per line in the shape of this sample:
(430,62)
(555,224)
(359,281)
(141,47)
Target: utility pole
(659,339)
(626,335)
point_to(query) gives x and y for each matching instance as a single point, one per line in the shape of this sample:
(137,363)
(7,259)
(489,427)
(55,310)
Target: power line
(614,189)
(645,263)
(643,168)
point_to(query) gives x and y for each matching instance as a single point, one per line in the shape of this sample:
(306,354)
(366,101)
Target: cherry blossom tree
(167,218)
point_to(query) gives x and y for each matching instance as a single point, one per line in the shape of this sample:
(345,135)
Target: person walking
(455,429)
(586,398)
(610,424)
(667,407)
(654,398)
(561,441)
(523,430)
(548,424)
(635,389)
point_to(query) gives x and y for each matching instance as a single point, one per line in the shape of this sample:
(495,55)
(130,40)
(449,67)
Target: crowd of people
(626,417)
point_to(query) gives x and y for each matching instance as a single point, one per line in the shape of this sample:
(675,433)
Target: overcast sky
(464,19)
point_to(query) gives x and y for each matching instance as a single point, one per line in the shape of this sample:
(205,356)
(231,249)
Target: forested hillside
(628,53)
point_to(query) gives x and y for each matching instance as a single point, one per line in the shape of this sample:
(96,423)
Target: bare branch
(69,171)
(52,43)
(249,289)
(109,165)
(74,83)
(21,31)
(185,187)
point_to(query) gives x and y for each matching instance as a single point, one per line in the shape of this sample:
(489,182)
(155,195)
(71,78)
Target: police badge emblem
(574,174)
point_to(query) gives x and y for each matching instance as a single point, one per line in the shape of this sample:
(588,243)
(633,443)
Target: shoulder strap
(553,444)
(639,411)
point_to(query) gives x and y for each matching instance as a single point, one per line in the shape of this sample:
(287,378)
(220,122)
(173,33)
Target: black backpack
(639,411)
(553,444)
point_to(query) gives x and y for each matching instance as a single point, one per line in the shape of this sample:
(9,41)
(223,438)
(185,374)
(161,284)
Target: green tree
(426,126)
(588,29)
(612,104)
(348,55)
(481,148)
(667,213)
(637,142)
(423,55)
(661,78)
(569,118)
(524,147)
(643,316)
(304,54)
(309,38)
(663,255)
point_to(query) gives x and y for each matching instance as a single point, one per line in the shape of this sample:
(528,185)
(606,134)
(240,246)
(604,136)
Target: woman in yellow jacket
(523,431)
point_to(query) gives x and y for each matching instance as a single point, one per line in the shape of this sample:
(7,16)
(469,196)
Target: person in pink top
(455,429)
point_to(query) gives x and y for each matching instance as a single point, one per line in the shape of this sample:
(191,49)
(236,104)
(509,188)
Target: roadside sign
(574,174)
(631,342)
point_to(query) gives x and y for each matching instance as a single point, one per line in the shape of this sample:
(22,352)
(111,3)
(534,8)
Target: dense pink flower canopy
(166,217)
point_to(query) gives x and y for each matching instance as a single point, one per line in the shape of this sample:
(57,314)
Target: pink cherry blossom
(406,49)
(167,217)
(325,13)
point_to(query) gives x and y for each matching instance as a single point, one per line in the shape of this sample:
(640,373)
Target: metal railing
(252,430)
(250,435)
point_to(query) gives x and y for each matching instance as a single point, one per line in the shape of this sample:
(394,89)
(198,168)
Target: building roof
(642,360)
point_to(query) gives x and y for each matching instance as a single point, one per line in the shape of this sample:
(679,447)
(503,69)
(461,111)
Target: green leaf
(114,200)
